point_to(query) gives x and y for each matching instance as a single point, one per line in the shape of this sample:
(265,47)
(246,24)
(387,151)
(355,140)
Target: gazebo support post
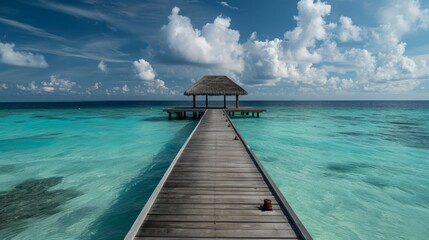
(207,101)
(194,113)
(237,102)
(224,101)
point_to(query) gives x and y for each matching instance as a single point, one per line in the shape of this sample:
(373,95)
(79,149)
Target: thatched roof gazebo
(215,85)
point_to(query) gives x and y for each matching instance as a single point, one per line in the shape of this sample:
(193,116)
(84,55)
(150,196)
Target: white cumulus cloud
(31,87)
(347,31)
(8,55)
(291,59)
(215,44)
(160,84)
(265,62)
(102,66)
(93,88)
(144,70)
(151,85)
(125,88)
(404,16)
(310,27)
(55,84)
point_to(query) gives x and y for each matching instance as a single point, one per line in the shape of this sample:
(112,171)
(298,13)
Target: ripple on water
(349,118)
(34,137)
(8,168)
(409,134)
(354,134)
(351,167)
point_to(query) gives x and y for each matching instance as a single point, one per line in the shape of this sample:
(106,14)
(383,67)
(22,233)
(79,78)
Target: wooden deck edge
(184,109)
(287,209)
(201,109)
(245,110)
(142,216)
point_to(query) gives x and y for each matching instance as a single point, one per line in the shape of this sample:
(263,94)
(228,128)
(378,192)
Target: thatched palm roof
(215,85)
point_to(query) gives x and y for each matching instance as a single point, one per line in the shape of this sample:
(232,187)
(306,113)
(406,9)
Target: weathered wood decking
(213,190)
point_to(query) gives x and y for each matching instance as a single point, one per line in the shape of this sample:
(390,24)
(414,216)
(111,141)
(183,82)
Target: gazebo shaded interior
(215,85)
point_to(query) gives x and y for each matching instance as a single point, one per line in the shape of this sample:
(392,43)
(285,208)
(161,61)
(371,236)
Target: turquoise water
(349,170)
(81,173)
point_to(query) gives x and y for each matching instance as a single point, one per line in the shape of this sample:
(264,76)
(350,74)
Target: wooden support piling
(194,101)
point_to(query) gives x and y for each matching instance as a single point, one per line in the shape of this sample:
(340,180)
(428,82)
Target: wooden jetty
(213,189)
(181,112)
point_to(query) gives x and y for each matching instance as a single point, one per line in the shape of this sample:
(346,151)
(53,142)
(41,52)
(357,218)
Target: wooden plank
(227,219)
(214,178)
(210,206)
(198,233)
(256,233)
(251,182)
(226,198)
(226,164)
(192,184)
(219,159)
(216,169)
(176,232)
(191,191)
(217,189)
(217,212)
(256,202)
(225,175)
(217,238)
(217,225)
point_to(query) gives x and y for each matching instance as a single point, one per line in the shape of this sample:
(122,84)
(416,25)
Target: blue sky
(136,50)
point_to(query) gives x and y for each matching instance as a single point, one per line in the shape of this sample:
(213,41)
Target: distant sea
(350,170)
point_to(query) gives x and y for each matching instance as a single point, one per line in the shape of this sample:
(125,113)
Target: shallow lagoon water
(81,173)
(350,170)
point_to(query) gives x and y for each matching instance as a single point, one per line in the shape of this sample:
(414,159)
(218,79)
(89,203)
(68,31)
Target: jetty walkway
(213,189)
